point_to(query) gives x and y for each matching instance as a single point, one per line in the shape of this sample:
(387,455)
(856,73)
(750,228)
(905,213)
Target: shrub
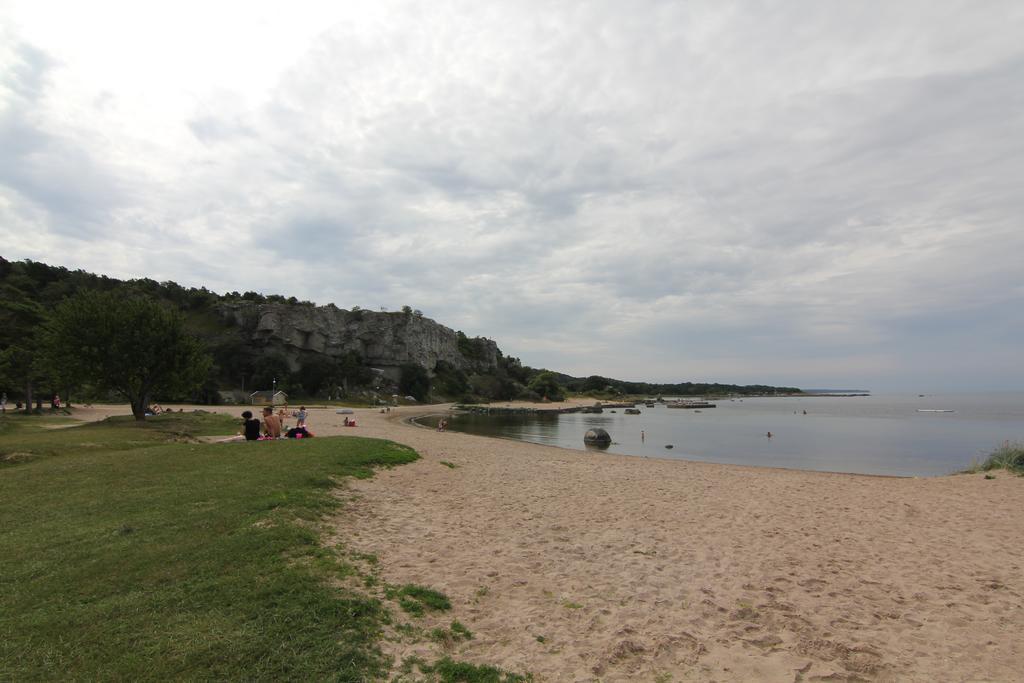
(414,381)
(546,385)
(1009,456)
(449,380)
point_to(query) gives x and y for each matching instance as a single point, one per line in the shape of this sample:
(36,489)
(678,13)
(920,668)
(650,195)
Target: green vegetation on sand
(132,551)
(1009,456)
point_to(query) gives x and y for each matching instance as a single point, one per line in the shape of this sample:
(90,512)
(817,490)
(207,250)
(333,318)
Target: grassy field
(134,552)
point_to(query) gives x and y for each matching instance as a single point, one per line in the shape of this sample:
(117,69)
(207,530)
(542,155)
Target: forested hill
(313,351)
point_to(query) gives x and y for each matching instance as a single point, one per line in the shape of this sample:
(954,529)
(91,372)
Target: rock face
(384,340)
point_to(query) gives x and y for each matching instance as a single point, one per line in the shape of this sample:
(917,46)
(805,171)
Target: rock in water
(597,437)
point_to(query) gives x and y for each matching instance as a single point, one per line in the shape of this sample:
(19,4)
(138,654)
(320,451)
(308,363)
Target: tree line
(74,332)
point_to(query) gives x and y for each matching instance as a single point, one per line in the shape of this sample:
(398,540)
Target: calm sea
(879,434)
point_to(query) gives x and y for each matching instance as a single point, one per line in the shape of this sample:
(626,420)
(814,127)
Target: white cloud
(801,193)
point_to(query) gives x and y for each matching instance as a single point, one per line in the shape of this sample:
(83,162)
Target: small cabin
(268,398)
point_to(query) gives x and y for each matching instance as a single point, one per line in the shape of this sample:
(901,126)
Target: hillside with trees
(232,344)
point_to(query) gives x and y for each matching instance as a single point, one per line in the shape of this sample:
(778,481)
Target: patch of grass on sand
(417,599)
(446,670)
(1009,456)
(449,465)
(131,551)
(448,637)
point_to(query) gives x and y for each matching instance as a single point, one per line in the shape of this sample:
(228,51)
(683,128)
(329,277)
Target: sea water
(877,434)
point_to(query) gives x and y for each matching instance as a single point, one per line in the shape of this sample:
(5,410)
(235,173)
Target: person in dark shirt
(252,427)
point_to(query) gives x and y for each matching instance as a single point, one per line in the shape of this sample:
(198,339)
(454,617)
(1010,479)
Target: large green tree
(20,360)
(414,381)
(547,386)
(129,344)
(317,373)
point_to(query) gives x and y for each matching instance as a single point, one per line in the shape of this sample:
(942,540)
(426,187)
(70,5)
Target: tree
(20,361)
(132,345)
(268,370)
(352,371)
(449,380)
(547,386)
(415,381)
(319,372)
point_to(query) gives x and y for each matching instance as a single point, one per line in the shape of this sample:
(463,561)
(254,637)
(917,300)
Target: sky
(814,194)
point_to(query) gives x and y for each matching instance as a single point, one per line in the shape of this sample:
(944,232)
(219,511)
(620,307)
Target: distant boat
(934,410)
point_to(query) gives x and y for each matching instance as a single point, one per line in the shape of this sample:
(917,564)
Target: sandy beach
(586,566)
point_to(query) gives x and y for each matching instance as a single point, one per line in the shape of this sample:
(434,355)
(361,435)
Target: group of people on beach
(273,425)
(55,403)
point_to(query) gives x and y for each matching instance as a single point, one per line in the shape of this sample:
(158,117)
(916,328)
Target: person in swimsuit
(271,423)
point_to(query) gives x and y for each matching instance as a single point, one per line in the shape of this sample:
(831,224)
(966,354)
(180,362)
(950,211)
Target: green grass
(131,552)
(416,600)
(1009,456)
(447,671)
(448,637)
(27,438)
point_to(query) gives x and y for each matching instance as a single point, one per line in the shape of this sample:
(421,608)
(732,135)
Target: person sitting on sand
(156,409)
(251,426)
(271,423)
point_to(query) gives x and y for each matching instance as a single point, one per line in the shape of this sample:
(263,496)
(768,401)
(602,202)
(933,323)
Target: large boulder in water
(597,437)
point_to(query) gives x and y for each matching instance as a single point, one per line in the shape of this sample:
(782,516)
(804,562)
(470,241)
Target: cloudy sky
(825,194)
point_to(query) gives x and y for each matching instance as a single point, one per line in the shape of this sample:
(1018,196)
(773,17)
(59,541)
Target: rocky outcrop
(383,340)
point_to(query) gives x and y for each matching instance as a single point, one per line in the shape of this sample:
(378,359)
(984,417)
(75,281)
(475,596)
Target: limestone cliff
(384,340)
